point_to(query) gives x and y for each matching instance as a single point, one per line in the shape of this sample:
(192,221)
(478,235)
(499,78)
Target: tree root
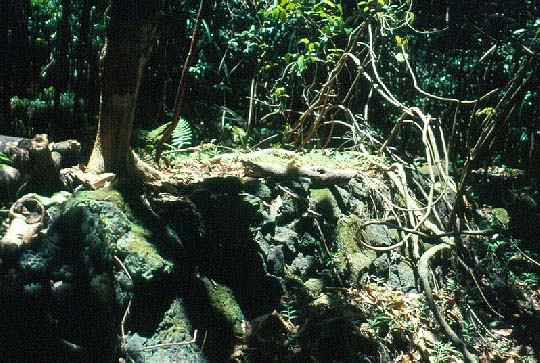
(423,273)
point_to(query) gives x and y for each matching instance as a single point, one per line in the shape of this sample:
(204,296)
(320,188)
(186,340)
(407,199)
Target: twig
(126,312)
(528,258)
(394,131)
(471,272)
(166,345)
(439,98)
(204,340)
(431,237)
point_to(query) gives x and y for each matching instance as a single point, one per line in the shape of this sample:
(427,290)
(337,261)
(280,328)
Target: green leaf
(329,3)
(410,15)
(301,64)
(485,111)
(156,134)
(5,160)
(279,92)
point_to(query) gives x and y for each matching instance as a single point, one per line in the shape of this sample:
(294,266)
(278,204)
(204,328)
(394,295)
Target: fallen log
(320,177)
(68,150)
(38,161)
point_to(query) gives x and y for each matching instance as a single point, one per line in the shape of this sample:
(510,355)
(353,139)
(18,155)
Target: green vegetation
(434,104)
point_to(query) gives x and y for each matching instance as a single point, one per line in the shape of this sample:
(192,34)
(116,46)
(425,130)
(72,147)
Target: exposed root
(423,274)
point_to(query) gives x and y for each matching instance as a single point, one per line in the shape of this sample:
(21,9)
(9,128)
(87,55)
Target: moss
(143,258)
(329,159)
(314,287)
(350,252)
(222,299)
(175,326)
(103,194)
(345,234)
(110,219)
(325,203)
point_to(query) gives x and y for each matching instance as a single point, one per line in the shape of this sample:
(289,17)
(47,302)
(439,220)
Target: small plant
(444,352)
(4,160)
(181,135)
(289,313)
(378,320)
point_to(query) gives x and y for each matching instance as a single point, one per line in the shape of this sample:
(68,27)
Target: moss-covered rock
(314,287)
(111,220)
(357,259)
(175,326)
(325,203)
(223,301)
(142,258)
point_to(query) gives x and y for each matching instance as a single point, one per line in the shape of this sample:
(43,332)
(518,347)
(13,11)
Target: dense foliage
(261,65)
(417,82)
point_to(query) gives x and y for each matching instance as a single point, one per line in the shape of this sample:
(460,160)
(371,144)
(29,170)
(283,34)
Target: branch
(181,89)
(439,98)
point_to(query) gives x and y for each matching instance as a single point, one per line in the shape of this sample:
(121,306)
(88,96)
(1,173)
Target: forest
(269,181)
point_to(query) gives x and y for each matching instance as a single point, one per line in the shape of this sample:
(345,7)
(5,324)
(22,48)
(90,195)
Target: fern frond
(156,134)
(182,134)
(5,160)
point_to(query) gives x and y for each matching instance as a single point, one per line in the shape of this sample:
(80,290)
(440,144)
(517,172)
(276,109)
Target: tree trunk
(130,36)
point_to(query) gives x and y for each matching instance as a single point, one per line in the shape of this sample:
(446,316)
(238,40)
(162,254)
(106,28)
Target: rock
(377,235)
(314,287)
(275,261)
(142,258)
(10,181)
(402,276)
(112,222)
(223,301)
(287,237)
(262,242)
(333,337)
(304,266)
(307,244)
(357,259)
(324,202)
(175,326)
(381,266)
(64,285)
(359,264)
(293,197)
(359,189)
(258,188)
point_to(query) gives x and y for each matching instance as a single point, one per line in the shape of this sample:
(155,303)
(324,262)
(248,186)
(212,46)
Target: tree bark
(130,36)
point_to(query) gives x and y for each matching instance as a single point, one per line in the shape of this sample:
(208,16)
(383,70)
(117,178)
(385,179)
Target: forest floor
(492,302)
(297,257)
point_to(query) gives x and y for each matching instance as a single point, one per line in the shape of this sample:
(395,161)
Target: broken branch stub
(27,217)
